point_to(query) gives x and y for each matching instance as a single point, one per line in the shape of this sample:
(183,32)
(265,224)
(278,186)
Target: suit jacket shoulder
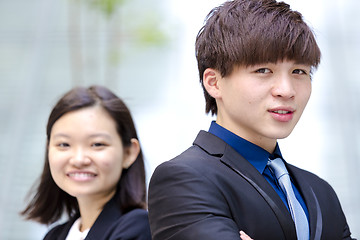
(211,192)
(199,195)
(111,225)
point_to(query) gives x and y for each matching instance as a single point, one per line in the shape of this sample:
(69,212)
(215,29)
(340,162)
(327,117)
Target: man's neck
(267,144)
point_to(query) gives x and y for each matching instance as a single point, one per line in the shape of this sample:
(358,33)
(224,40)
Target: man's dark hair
(250,32)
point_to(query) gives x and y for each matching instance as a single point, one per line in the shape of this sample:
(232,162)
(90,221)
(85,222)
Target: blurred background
(144,52)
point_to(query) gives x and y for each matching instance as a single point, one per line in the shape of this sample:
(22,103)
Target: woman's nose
(80,157)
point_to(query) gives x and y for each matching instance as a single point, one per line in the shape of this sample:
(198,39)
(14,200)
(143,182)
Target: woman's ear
(131,153)
(211,79)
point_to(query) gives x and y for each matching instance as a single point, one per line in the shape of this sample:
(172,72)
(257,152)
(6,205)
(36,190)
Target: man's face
(263,103)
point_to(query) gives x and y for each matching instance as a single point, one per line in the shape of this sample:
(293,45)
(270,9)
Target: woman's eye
(98,144)
(263,70)
(64,145)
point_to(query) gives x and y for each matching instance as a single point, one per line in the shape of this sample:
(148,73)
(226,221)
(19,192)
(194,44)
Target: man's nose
(284,87)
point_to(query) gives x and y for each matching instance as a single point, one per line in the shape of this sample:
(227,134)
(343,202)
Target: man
(255,60)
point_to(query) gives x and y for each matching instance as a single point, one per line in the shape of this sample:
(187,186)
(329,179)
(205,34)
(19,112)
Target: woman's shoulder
(133,225)
(136,213)
(136,218)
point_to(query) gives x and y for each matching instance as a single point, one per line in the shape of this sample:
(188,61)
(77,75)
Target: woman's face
(86,155)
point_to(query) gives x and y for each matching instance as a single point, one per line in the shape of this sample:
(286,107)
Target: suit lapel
(315,216)
(105,220)
(242,167)
(60,232)
(228,156)
(67,226)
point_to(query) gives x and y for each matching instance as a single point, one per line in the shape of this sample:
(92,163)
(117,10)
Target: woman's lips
(81,176)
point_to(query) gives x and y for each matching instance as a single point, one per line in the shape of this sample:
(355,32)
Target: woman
(93,172)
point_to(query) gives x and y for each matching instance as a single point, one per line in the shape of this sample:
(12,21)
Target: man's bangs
(300,47)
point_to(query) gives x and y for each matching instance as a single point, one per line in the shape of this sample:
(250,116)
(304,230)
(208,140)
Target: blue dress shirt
(258,157)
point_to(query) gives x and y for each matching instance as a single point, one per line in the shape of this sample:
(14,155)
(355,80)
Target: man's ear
(211,79)
(131,153)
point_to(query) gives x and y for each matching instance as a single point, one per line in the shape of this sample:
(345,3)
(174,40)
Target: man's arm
(347,234)
(183,204)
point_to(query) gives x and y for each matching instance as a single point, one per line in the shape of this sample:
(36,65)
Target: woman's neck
(90,209)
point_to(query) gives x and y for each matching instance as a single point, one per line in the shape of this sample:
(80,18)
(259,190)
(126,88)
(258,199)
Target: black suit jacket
(211,192)
(110,225)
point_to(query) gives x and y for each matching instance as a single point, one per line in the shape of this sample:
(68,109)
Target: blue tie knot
(278,167)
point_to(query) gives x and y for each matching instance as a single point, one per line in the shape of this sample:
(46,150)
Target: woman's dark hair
(250,32)
(49,201)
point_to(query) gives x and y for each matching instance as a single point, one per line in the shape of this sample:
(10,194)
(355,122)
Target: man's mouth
(281,112)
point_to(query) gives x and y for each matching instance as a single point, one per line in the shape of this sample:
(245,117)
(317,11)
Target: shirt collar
(74,232)
(256,155)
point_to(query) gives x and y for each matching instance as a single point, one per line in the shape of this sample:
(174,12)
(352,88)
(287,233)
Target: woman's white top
(75,234)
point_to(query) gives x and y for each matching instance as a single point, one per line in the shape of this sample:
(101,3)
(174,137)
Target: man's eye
(263,70)
(299,71)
